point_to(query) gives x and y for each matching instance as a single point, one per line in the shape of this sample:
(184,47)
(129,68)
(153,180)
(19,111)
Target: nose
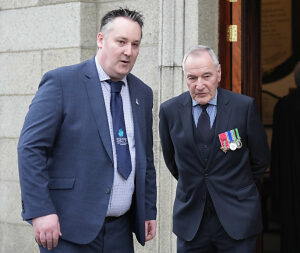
(199,84)
(128,50)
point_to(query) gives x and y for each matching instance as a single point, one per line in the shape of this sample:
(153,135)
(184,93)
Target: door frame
(240,61)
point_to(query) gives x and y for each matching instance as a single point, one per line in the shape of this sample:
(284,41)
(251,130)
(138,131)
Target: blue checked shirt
(211,110)
(122,190)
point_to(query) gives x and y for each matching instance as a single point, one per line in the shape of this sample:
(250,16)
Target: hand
(47,230)
(150,229)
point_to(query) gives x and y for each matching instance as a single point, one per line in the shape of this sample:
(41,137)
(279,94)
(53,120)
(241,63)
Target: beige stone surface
(13,4)
(17,238)
(191,23)
(12,113)
(88,53)
(166,192)
(150,246)
(8,159)
(146,66)
(208,15)
(10,212)
(48,2)
(53,26)
(20,72)
(88,25)
(54,58)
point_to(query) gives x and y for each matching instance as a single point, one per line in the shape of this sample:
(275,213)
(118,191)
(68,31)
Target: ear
(219,73)
(100,40)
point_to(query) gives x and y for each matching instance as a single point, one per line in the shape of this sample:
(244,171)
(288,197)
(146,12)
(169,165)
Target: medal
(232,144)
(238,140)
(224,142)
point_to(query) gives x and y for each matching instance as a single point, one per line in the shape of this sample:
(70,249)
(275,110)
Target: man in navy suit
(86,186)
(214,144)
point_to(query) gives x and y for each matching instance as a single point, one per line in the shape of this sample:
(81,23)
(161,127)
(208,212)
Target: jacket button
(107,190)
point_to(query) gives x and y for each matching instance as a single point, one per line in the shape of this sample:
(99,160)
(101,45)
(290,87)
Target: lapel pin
(137,101)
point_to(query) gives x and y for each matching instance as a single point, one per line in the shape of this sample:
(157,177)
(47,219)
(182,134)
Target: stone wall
(39,35)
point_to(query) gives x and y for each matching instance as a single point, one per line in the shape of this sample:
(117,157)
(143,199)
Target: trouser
(212,238)
(115,236)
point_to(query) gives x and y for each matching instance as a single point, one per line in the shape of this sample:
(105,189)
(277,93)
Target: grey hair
(297,74)
(201,48)
(109,17)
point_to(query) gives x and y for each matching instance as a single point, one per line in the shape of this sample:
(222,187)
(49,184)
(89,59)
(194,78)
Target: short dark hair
(121,12)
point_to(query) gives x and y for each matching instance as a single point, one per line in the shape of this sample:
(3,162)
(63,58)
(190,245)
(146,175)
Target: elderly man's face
(202,76)
(119,47)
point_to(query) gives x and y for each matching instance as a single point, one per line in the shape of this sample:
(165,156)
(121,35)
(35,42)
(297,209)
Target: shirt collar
(211,102)
(103,76)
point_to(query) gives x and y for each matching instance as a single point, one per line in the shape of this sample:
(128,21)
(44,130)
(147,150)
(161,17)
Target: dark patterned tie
(120,135)
(203,125)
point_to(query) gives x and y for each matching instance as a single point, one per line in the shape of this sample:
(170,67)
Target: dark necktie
(203,125)
(120,135)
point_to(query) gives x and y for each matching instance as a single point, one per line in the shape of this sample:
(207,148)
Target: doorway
(258,50)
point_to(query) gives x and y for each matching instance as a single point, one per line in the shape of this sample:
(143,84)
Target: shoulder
(137,83)
(233,97)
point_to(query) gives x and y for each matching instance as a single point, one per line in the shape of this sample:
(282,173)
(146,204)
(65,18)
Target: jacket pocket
(246,192)
(61,183)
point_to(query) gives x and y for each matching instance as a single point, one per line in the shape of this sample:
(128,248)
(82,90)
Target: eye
(121,42)
(192,78)
(136,44)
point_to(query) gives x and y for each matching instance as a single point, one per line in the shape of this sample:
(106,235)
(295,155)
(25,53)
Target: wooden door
(239,51)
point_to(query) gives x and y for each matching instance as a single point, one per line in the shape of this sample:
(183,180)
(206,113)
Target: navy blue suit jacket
(65,153)
(229,177)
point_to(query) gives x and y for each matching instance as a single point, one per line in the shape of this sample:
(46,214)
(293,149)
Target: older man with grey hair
(215,146)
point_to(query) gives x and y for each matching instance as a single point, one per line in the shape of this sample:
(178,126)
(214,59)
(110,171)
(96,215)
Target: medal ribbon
(228,133)
(237,134)
(224,141)
(233,135)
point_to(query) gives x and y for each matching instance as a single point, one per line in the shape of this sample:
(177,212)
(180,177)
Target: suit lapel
(135,107)
(221,121)
(95,95)
(185,111)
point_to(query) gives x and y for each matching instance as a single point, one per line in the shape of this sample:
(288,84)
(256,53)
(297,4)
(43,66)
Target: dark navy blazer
(65,153)
(229,177)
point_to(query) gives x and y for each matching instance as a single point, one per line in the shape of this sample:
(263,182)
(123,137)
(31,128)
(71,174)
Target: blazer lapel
(222,120)
(95,95)
(135,107)
(185,111)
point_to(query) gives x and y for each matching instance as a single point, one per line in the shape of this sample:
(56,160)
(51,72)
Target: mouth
(125,61)
(201,94)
